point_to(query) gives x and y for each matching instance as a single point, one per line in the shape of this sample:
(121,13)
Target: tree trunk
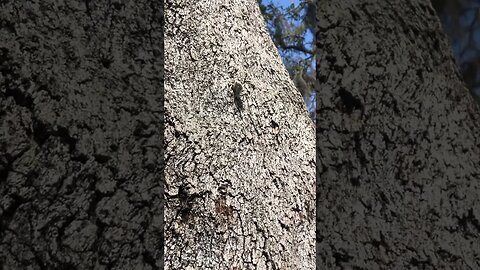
(80,115)
(239,144)
(397,141)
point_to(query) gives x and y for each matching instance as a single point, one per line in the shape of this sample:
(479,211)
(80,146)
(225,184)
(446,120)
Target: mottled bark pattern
(240,185)
(80,99)
(398,156)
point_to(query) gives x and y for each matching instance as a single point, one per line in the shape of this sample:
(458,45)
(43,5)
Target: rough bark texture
(240,185)
(80,99)
(398,152)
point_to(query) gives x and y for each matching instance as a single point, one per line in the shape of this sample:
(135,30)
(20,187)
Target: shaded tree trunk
(239,144)
(398,152)
(80,115)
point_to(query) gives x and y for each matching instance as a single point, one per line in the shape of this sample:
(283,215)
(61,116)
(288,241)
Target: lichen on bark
(239,144)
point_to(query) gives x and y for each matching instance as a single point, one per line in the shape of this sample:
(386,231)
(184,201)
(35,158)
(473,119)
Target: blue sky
(308,40)
(285,3)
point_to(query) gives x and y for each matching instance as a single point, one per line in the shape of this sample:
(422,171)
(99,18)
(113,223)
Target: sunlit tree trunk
(239,144)
(398,141)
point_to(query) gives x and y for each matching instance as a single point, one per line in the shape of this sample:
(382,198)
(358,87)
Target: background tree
(398,155)
(461,22)
(291,25)
(239,144)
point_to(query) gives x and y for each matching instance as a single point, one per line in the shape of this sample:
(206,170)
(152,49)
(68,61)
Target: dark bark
(398,152)
(80,134)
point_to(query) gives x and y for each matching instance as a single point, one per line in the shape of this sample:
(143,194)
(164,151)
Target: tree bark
(80,135)
(240,154)
(398,155)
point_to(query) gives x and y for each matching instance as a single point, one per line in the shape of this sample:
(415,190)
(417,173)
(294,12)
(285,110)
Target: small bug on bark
(237,89)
